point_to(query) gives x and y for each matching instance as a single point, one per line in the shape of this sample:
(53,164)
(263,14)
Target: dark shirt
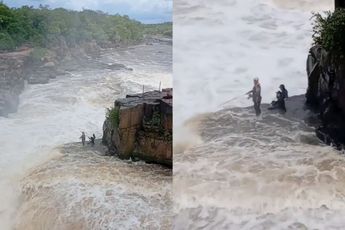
(284,94)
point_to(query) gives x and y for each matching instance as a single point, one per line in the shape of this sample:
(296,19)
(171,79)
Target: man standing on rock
(255,94)
(82,137)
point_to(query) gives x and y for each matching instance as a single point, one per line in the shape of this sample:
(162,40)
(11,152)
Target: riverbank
(39,66)
(90,190)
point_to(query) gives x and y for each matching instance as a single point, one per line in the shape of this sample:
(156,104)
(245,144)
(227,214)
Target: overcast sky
(146,11)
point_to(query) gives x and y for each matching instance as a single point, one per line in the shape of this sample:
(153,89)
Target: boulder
(116,66)
(144,129)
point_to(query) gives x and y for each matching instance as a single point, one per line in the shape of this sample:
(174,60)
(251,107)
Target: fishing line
(232,99)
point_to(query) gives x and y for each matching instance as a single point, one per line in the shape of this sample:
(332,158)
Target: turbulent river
(76,188)
(231,169)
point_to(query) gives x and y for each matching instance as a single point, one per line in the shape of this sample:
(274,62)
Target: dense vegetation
(159,29)
(329,32)
(113,115)
(44,27)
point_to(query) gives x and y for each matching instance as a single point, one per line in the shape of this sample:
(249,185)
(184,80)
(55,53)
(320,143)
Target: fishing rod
(232,99)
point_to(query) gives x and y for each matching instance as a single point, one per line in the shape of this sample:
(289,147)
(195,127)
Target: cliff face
(11,79)
(326,95)
(143,128)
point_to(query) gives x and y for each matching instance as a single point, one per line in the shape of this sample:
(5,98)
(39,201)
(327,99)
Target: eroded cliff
(326,95)
(140,126)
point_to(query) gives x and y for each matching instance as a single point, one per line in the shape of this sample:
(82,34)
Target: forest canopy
(44,27)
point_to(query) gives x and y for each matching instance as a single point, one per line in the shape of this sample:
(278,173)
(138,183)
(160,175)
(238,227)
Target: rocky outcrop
(18,67)
(11,79)
(150,40)
(92,49)
(326,95)
(141,127)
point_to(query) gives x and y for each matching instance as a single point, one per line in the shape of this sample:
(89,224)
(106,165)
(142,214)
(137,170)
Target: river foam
(83,189)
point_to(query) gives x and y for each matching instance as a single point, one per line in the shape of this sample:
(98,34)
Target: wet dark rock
(331,136)
(326,95)
(158,39)
(116,66)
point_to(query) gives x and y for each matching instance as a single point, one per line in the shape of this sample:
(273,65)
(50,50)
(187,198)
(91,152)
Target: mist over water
(241,172)
(220,47)
(53,114)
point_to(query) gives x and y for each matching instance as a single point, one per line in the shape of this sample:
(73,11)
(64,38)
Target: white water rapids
(53,114)
(233,171)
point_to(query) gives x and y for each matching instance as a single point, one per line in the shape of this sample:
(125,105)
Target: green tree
(329,32)
(6,42)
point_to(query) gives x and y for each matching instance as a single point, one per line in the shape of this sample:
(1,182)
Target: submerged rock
(116,66)
(143,127)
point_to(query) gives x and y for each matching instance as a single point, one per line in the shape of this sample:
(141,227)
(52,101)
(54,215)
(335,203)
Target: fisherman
(82,137)
(283,91)
(279,103)
(255,94)
(92,140)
